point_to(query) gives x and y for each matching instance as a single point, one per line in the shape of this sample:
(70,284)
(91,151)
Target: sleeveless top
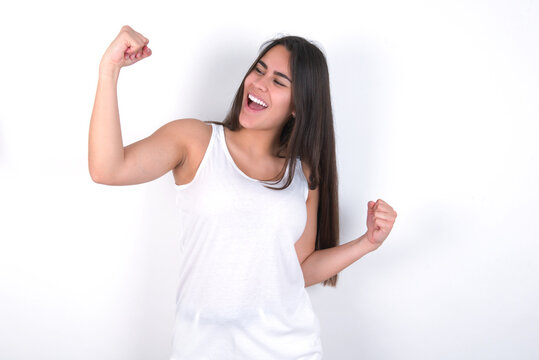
(241,292)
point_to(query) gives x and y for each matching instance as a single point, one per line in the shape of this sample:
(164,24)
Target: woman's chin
(244,121)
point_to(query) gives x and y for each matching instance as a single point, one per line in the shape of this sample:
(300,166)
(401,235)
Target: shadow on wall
(218,75)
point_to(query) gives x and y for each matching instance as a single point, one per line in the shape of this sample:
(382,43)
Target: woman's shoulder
(192,126)
(195,136)
(192,136)
(191,132)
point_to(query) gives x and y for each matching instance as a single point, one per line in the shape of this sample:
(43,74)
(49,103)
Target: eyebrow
(275,72)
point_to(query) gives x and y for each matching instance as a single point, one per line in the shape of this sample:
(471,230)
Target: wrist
(364,246)
(109,71)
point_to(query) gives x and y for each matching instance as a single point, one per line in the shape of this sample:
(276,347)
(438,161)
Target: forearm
(105,145)
(323,264)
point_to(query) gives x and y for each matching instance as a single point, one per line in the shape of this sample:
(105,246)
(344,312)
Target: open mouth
(253,105)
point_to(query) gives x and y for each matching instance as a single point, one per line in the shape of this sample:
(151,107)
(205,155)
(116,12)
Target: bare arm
(323,264)
(105,146)
(109,161)
(320,265)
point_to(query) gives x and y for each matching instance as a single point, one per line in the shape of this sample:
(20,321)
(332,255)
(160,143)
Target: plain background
(436,108)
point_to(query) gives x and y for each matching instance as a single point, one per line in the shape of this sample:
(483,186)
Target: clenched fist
(380,220)
(126,49)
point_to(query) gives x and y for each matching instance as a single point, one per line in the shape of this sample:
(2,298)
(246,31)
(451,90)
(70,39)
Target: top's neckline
(229,156)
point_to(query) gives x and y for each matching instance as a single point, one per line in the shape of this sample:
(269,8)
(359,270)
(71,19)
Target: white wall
(436,110)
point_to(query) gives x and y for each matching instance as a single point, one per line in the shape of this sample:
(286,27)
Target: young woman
(257,200)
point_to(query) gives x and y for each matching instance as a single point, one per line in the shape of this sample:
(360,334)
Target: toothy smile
(258,101)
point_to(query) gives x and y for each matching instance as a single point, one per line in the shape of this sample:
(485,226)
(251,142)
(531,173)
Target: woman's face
(269,84)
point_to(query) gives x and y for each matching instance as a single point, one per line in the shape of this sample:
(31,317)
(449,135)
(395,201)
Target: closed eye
(258,71)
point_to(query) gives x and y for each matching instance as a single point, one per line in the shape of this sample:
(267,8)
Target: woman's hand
(380,220)
(126,49)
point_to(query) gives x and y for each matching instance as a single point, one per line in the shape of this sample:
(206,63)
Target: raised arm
(109,161)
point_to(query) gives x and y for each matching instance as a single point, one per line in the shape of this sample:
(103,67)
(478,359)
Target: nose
(260,83)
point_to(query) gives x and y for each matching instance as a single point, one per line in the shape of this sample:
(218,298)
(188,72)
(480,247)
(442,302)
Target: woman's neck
(257,143)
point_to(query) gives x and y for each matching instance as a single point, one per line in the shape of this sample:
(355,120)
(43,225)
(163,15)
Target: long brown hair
(309,135)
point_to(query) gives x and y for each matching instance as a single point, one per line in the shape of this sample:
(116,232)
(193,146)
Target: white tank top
(241,291)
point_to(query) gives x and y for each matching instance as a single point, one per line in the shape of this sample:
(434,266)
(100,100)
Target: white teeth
(258,101)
